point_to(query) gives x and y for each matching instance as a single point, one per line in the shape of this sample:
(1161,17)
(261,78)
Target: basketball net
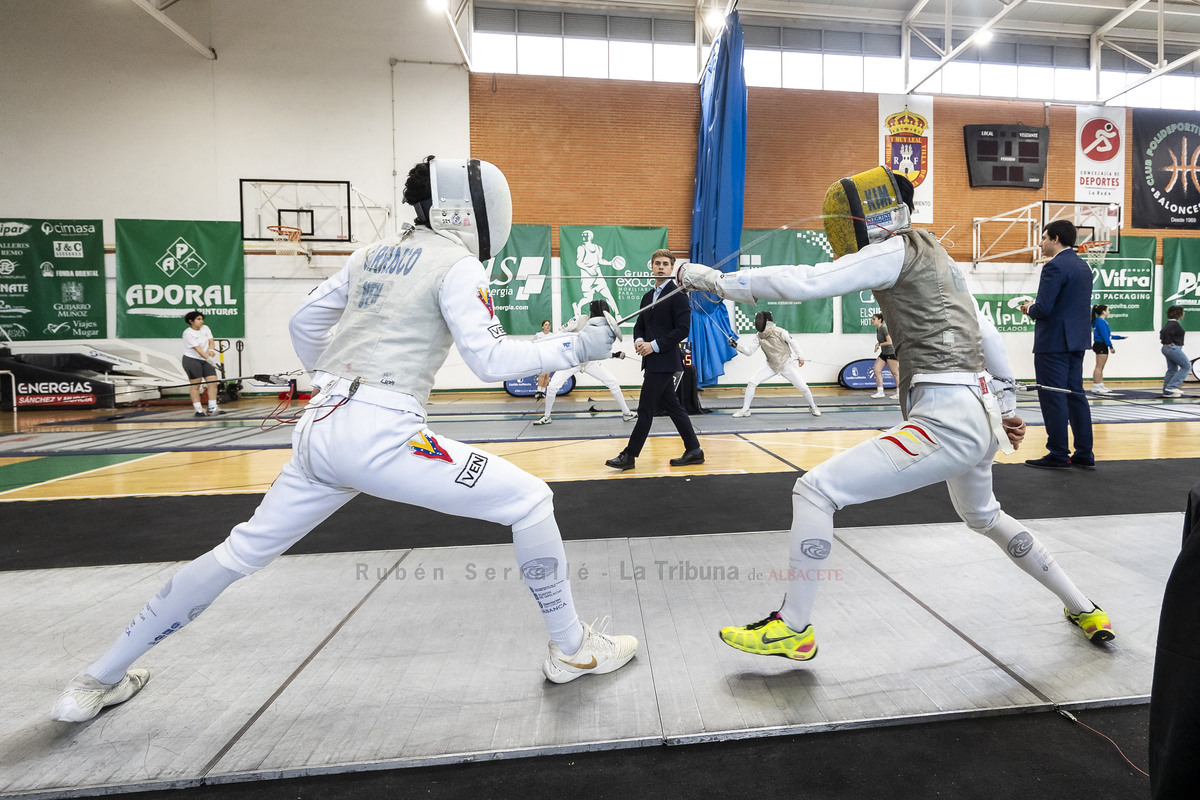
(288,240)
(1093,252)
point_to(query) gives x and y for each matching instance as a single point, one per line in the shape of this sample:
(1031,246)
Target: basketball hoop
(287,240)
(1093,252)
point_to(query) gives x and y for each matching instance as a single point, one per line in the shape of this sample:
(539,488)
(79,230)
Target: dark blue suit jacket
(668,324)
(1063,311)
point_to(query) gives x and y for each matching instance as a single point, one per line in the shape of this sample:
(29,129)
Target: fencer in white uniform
(376,333)
(783,358)
(594,368)
(956,390)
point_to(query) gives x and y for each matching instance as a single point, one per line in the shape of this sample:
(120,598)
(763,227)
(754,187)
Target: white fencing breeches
(597,371)
(947,437)
(791,372)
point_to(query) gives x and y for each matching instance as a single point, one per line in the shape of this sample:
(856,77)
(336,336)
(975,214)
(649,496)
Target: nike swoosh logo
(770,640)
(591,665)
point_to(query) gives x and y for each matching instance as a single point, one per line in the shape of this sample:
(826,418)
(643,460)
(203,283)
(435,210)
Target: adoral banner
(166,268)
(1166,168)
(52,279)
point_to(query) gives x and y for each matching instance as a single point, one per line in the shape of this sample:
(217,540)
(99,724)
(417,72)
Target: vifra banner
(166,268)
(607,262)
(1166,168)
(52,279)
(520,280)
(779,247)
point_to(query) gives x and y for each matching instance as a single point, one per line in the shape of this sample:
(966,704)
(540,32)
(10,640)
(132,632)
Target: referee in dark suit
(1062,332)
(657,335)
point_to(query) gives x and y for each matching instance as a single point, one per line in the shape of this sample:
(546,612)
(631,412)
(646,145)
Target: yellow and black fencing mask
(865,208)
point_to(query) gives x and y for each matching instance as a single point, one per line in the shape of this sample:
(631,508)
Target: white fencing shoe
(85,696)
(742,413)
(629,417)
(816,412)
(600,653)
(878,394)
(543,421)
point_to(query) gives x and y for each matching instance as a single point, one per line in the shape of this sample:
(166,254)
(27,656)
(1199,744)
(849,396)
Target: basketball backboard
(320,209)
(1095,223)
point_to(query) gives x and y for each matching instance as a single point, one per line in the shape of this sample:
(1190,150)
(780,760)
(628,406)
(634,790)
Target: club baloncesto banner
(166,268)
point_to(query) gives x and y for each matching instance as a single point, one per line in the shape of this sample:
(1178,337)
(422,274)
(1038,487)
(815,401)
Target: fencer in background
(397,306)
(783,358)
(958,399)
(596,370)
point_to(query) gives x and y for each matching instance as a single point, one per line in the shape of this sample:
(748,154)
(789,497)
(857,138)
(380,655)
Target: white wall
(104,113)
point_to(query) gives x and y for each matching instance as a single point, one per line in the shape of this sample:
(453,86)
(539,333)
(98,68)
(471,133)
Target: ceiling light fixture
(984,36)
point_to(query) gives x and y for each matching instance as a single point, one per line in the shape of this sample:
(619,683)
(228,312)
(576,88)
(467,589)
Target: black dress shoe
(1045,462)
(689,457)
(1077,462)
(622,461)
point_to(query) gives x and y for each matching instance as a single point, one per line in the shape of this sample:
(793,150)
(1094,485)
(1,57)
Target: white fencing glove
(596,340)
(697,277)
(1005,390)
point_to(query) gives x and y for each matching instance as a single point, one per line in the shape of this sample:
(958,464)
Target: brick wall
(601,152)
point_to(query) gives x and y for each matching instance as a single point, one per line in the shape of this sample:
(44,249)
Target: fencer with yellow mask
(957,396)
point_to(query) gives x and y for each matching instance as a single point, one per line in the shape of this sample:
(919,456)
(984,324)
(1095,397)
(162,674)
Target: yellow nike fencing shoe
(1095,624)
(772,637)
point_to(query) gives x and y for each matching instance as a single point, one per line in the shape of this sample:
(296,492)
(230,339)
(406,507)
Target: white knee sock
(750,387)
(543,561)
(1028,553)
(812,541)
(186,594)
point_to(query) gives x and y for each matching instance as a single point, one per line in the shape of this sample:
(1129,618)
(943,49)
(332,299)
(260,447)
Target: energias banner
(1125,283)
(520,279)
(166,268)
(1166,168)
(606,262)
(770,248)
(52,279)
(1181,274)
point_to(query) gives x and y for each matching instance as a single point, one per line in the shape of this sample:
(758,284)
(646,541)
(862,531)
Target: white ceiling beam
(1013,5)
(1156,73)
(174,27)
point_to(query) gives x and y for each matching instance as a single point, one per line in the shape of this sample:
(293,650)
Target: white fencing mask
(471,202)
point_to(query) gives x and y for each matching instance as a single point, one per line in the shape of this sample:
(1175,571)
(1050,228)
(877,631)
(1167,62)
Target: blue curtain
(720,189)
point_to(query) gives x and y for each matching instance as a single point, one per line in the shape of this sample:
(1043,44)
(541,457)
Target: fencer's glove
(1014,428)
(619,354)
(732,342)
(1005,390)
(696,277)
(595,341)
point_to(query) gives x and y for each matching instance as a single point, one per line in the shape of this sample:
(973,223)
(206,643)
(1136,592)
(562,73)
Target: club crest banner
(906,146)
(770,248)
(1166,168)
(520,280)
(606,262)
(166,268)
(52,279)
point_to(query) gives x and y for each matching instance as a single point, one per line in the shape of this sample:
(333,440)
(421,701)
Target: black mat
(1023,757)
(74,533)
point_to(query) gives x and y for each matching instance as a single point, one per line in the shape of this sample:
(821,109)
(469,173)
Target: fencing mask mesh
(761,319)
(471,201)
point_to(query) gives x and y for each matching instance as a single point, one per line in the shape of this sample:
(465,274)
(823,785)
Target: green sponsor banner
(1002,310)
(520,279)
(52,279)
(1125,283)
(770,248)
(166,268)
(606,262)
(1181,274)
